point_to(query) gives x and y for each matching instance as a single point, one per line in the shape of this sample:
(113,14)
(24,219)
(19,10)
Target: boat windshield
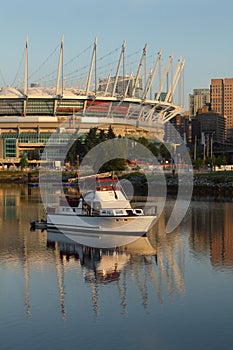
(106,184)
(100,183)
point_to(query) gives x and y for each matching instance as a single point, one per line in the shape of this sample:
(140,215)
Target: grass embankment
(32,176)
(18,176)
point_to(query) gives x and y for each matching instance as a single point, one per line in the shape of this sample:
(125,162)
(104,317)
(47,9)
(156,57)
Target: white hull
(100,232)
(102,218)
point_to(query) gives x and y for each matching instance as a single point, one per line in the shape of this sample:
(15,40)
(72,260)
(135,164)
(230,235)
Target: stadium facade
(30,114)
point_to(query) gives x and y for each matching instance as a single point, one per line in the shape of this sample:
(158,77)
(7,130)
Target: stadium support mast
(139,70)
(93,58)
(60,66)
(175,79)
(118,68)
(128,84)
(107,85)
(26,76)
(164,78)
(146,92)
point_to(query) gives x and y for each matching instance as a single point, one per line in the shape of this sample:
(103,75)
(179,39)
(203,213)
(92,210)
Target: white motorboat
(102,212)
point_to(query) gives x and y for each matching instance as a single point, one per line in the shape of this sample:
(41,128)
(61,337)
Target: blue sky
(200,31)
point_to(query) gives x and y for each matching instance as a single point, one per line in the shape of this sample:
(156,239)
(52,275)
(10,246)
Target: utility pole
(211,152)
(195,148)
(204,148)
(211,146)
(208,145)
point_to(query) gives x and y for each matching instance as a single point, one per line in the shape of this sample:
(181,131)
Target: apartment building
(221,94)
(198,99)
(208,124)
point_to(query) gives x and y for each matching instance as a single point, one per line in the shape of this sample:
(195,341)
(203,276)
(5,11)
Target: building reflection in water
(18,205)
(170,255)
(211,232)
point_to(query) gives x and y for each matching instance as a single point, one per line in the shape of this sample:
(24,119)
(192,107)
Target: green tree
(154,149)
(102,136)
(164,152)
(143,141)
(91,139)
(213,161)
(23,162)
(224,159)
(76,152)
(197,164)
(208,161)
(33,155)
(110,133)
(117,164)
(218,161)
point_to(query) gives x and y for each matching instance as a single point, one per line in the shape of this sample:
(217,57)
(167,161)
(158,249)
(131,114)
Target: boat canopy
(107,200)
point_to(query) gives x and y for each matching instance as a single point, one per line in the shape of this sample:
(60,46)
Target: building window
(10,149)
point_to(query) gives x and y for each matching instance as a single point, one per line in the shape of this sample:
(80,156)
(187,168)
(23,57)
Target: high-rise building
(209,125)
(221,92)
(179,128)
(198,99)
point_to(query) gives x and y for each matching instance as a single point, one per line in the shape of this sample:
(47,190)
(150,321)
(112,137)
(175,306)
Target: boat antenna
(115,194)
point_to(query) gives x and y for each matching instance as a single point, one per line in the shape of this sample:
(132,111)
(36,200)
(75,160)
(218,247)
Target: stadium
(134,103)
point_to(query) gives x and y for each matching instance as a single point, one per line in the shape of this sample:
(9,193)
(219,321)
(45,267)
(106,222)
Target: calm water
(174,291)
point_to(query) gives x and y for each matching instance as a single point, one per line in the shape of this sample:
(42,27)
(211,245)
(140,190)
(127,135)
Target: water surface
(172,291)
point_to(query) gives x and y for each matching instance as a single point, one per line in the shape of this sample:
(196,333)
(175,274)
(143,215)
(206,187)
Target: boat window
(119,211)
(129,211)
(138,211)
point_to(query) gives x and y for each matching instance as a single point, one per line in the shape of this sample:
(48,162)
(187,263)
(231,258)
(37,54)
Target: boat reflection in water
(101,266)
(106,263)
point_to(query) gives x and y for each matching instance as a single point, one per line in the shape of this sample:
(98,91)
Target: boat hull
(101,232)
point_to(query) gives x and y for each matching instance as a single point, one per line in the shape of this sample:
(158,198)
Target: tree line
(95,136)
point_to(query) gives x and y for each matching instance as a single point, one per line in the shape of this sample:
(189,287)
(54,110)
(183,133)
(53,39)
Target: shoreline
(216,185)
(212,186)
